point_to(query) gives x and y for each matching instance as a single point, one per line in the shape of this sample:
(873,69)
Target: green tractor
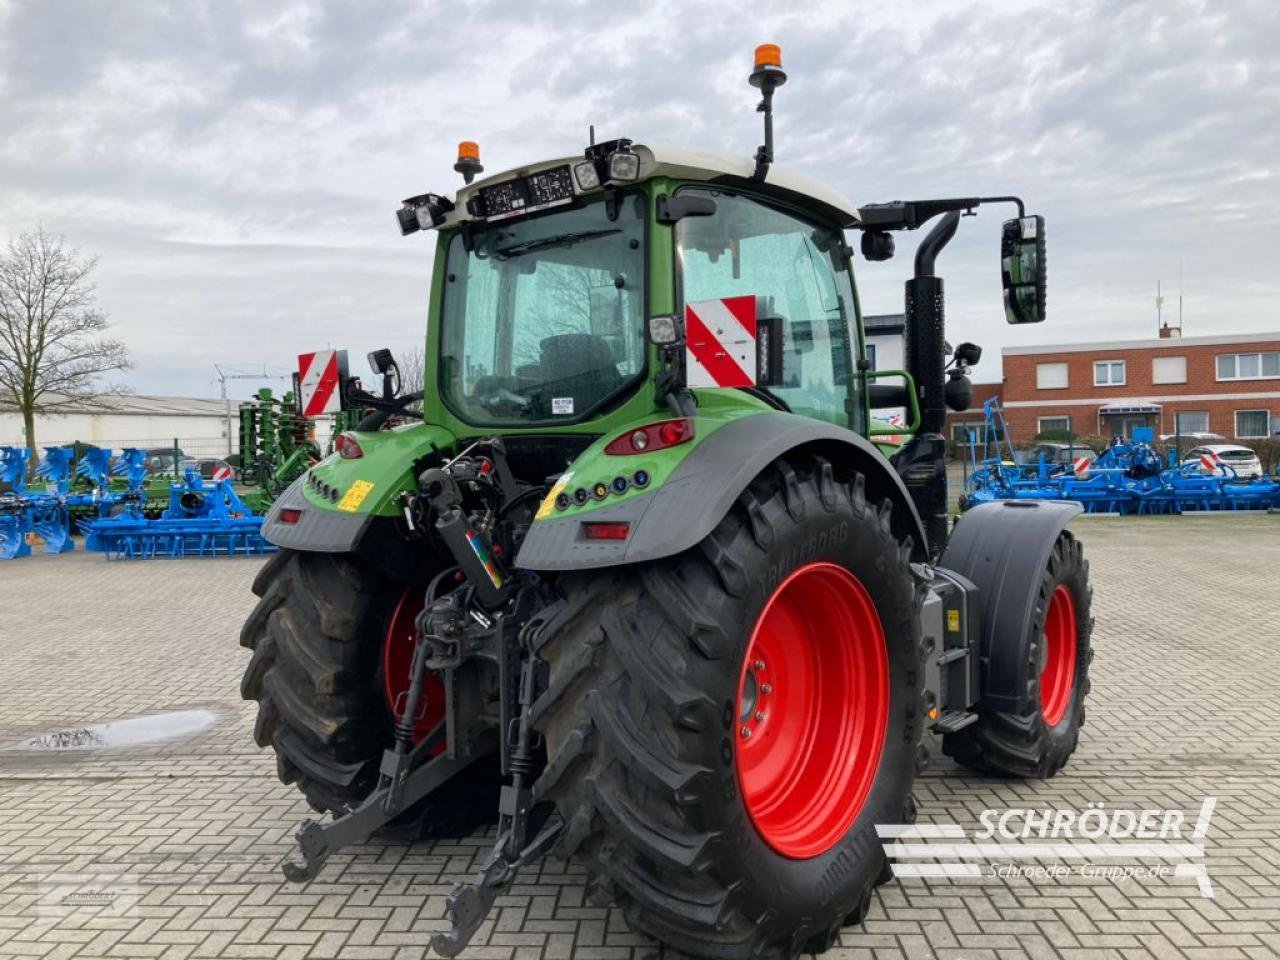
(644,586)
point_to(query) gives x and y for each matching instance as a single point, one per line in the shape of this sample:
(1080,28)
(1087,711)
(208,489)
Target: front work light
(663,330)
(624,165)
(586,175)
(425,212)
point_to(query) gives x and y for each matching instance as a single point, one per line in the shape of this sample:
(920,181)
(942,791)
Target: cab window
(747,247)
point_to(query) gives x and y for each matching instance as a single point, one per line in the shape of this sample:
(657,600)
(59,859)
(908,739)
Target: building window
(1248,366)
(1169,370)
(1051,376)
(871,355)
(1108,373)
(1253,424)
(1193,421)
(1053,425)
(960,433)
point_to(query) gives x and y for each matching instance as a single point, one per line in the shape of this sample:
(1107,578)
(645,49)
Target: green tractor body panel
(370,484)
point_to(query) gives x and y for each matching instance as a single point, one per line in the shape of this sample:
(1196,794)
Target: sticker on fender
(352,499)
(549,501)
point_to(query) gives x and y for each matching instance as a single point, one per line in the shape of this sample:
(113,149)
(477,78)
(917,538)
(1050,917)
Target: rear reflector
(289,515)
(606,531)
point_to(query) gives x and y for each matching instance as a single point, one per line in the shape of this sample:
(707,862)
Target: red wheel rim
(1058,675)
(812,709)
(397,656)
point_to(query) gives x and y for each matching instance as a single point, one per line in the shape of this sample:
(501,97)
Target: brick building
(1224,385)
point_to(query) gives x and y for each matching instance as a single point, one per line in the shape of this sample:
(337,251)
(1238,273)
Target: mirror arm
(911,214)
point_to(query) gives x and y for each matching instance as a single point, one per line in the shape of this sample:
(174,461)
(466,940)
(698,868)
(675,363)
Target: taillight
(348,447)
(650,437)
(605,531)
(289,515)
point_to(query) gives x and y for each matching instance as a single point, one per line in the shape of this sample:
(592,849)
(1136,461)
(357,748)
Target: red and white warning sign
(720,342)
(1080,466)
(1209,462)
(221,472)
(320,377)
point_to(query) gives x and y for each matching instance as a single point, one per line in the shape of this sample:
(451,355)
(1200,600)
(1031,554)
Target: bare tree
(413,365)
(51,348)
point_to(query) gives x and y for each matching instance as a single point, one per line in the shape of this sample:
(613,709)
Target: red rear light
(290,515)
(650,437)
(348,447)
(605,531)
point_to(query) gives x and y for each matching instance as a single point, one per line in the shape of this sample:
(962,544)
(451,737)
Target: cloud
(236,165)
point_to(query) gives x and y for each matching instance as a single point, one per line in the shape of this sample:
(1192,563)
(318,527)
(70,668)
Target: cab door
(796,267)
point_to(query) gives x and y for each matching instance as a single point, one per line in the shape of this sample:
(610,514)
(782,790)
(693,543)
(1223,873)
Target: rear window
(1236,455)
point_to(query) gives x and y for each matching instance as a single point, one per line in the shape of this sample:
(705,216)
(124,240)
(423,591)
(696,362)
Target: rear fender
(700,490)
(1003,548)
(339,500)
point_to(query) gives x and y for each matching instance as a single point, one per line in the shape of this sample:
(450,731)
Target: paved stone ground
(186,836)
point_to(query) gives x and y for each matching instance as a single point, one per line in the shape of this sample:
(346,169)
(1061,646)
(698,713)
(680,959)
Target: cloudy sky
(236,165)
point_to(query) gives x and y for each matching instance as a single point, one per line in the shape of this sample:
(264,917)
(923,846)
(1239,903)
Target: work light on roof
(585,175)
(624,165)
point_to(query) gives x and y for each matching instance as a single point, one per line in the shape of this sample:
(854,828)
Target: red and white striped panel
(221,472)
(318,377)
(1080,466)
(1209,462)
(720,342)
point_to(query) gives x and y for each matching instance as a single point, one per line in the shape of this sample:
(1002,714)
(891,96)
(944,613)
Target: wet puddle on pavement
(131,732)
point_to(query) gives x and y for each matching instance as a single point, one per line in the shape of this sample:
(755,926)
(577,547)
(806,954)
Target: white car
(1242,460)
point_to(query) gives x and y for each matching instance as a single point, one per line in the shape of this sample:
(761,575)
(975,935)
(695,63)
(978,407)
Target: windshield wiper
(558,240)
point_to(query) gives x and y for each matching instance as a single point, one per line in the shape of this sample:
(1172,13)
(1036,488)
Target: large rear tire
(319,637)
(683,781)
(1038,741)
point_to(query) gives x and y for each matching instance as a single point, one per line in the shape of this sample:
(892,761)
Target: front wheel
(1038,741)
(726,728)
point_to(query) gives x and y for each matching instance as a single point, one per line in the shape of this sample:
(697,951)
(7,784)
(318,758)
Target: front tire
(1040,740)
(708,843)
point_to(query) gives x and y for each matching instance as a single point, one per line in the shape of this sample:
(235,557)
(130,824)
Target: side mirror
(1022,269)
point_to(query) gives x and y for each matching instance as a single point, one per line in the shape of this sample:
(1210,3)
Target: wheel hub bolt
(746,733)
(760,717)
(759,664)
(766,688)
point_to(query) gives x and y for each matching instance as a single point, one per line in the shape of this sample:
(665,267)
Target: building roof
(683,163)
(130,405)
(1163,343)
(884,322)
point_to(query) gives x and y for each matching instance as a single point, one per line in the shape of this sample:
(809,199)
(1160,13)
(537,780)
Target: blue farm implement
(203,519)
(1126,478)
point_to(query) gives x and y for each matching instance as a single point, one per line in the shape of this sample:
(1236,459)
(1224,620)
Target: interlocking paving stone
(190,833)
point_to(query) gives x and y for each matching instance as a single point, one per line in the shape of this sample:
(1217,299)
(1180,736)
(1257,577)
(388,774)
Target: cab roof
(684,163)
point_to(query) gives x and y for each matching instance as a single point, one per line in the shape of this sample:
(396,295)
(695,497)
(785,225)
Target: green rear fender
(372,483)
(691,487)
(332,504)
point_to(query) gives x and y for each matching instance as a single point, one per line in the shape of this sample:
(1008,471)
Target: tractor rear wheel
(1039,741)
(725,728)
(331,643)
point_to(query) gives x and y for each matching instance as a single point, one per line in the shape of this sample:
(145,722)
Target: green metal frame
(913,404)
